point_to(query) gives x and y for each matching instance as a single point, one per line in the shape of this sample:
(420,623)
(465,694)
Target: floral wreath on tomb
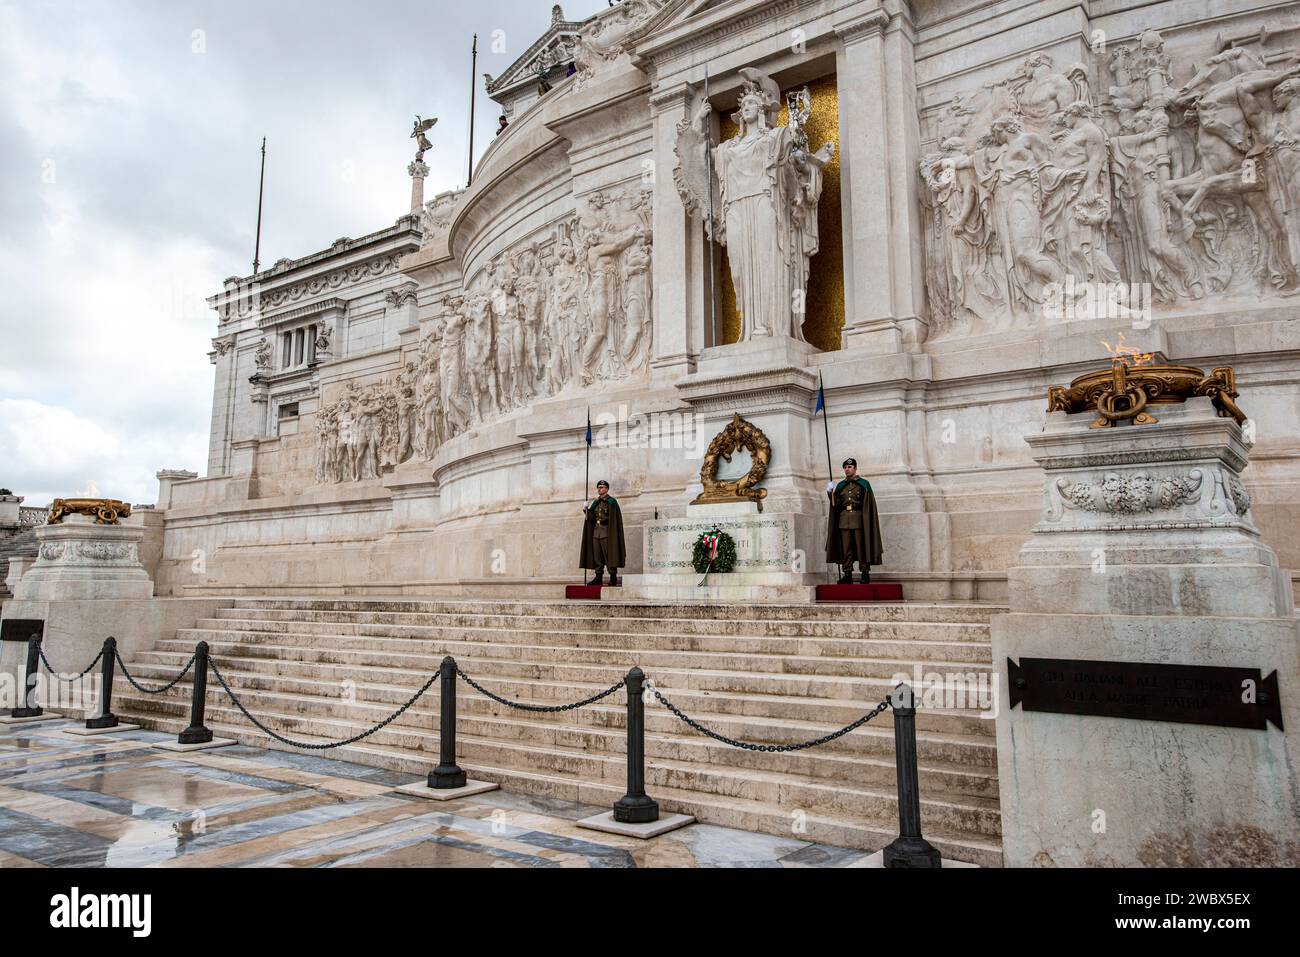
(715,551)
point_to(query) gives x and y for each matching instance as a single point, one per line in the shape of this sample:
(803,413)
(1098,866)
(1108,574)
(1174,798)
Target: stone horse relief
(1041,187)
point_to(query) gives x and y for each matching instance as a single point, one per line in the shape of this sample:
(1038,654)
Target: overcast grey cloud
(129,148)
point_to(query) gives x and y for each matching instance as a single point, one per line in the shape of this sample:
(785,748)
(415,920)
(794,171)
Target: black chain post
(447,775)
(910,849)
(635,807)
(197,732)
(33,666)
(106,717)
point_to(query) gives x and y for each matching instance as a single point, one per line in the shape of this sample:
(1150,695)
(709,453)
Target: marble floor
(116,801)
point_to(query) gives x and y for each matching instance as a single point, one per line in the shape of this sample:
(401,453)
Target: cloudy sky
(129,148)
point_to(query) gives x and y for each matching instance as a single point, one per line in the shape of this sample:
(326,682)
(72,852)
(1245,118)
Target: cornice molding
(864,27)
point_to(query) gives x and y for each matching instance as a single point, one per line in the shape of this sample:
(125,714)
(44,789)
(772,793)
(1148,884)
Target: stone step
(965,754)
(936,656)
(790,793)
(819,712)
(576,749)
(327,669)
(413,670)
(403,623)
(378,637)
(974,612)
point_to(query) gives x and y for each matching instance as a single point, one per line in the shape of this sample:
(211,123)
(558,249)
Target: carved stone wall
(1130,181)
(555,314)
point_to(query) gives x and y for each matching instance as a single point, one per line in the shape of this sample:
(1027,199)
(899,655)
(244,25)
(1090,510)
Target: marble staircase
(317,669)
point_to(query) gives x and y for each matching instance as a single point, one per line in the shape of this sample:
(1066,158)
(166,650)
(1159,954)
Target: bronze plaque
(1189,694)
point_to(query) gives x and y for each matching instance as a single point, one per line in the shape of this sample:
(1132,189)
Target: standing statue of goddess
(766,187)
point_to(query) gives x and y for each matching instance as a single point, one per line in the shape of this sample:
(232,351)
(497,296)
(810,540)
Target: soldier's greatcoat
(602,535)
(854,515)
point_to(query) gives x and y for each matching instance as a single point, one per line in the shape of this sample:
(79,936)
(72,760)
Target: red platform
(585,592)
(888,591)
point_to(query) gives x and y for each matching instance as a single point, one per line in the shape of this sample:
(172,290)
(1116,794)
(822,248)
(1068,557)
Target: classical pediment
(553,48)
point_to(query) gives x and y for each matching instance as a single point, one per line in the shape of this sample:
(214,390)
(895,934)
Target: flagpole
(586,487)
(830,469)
(473,91)
(261,190)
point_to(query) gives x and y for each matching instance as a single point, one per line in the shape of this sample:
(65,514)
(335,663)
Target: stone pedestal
(772,550)
(1146,552)
(81,560)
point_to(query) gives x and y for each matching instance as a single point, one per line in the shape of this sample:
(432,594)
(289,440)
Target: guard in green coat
(602,536)
(853,530)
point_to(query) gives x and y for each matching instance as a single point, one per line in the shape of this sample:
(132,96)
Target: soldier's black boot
(600,572)
(866,575)
(613,578)
(847,577)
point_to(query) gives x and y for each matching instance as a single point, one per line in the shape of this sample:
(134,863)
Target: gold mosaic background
(825,319)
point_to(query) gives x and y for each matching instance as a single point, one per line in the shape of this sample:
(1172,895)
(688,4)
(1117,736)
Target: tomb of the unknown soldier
(835,434)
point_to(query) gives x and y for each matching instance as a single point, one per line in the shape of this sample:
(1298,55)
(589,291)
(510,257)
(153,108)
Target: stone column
(224,388)
(419,172)
(677,240)
(1146,554)
(883,268)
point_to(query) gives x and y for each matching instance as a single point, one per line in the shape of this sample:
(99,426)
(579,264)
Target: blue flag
(821,397)
(588,428)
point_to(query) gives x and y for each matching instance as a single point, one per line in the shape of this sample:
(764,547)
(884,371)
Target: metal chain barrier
(58,675)
(538,708)
(165,688)
(312,746)
(772,748)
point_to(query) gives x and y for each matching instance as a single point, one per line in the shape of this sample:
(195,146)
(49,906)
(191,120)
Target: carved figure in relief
(480,375)
(636,301)
(450,363)
(1281,167)
(530,292)
(1008,174)
(1041,93)
(563,305)
(1076,195)
(603,251)
(961,238)
(1145,221)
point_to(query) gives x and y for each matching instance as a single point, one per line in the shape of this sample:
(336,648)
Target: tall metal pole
(473,92)
(713,273)
(830,469)
(261,189)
